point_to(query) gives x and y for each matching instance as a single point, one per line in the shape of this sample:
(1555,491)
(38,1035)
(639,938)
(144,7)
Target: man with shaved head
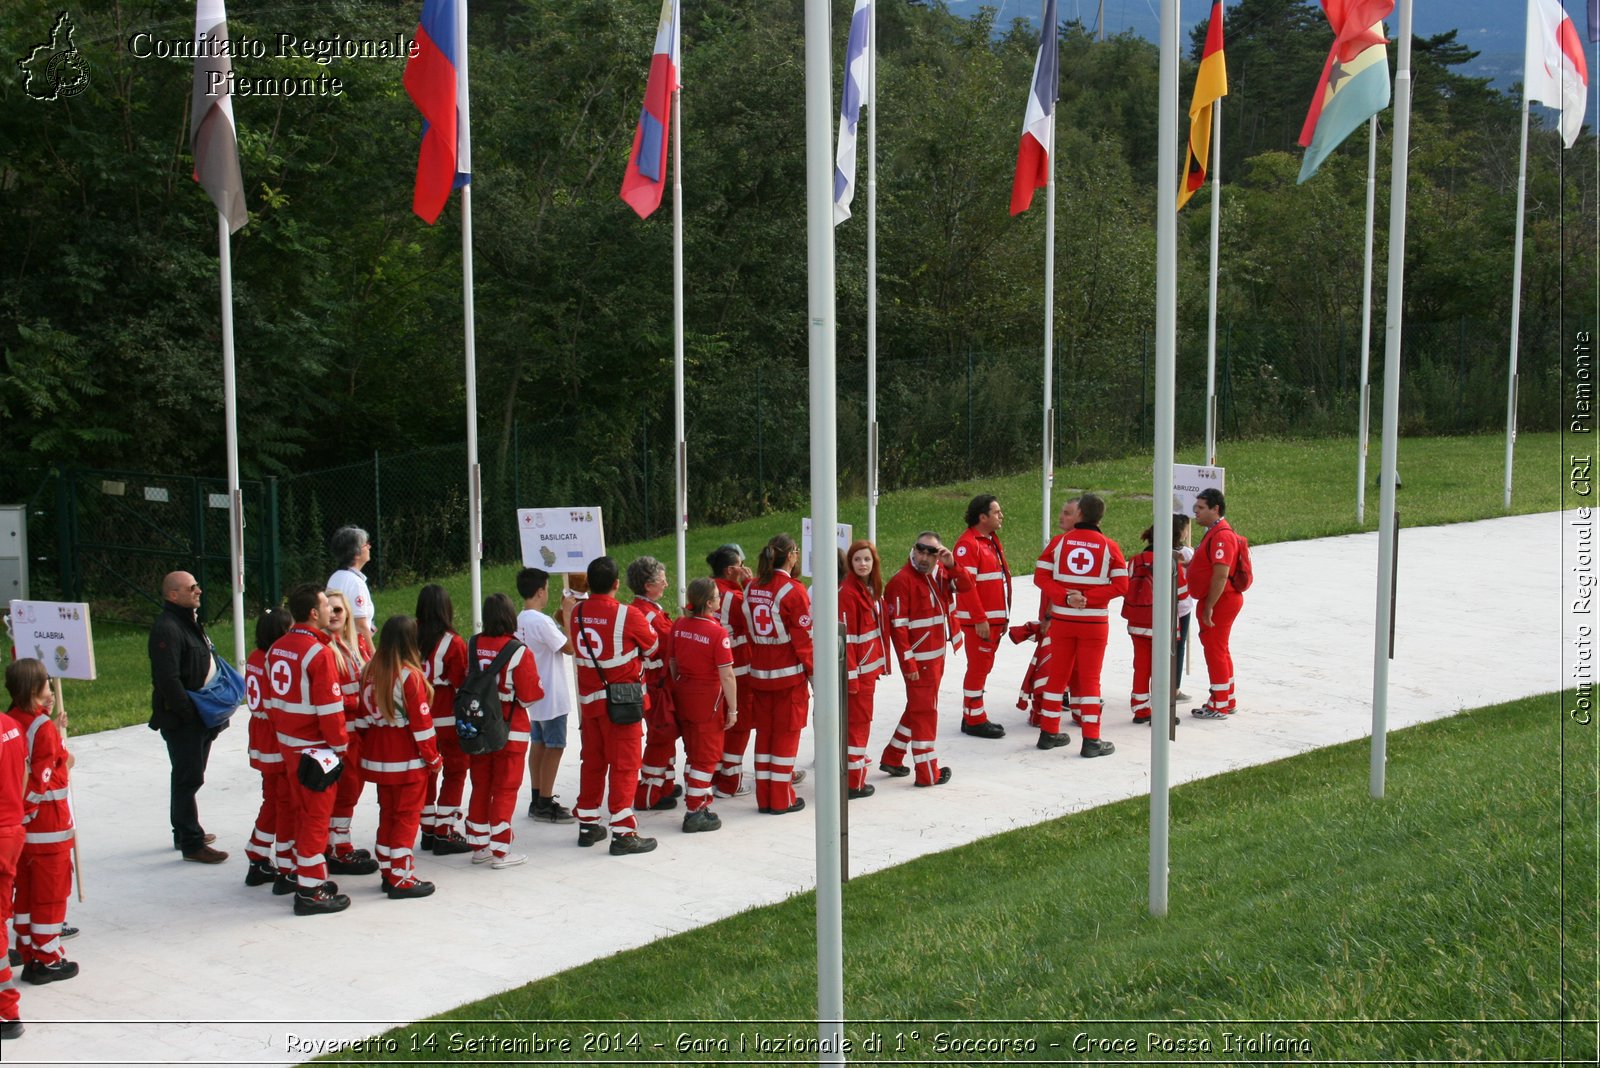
(180,661)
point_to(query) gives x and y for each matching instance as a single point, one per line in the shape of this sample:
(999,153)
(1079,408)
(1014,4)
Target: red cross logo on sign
(1080,561)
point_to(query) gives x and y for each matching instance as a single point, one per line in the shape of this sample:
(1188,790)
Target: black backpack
(481,726)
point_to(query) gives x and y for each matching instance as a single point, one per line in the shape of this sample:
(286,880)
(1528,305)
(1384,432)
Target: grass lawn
(1452,921)
(1277,491)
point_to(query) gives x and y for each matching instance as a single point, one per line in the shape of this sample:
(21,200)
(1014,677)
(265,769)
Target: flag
(646,176)
(855,88)
(1554,72)
(436,81)
(1594,21)
(1355,79)
(1038,124)
(213,139)
(1210,85)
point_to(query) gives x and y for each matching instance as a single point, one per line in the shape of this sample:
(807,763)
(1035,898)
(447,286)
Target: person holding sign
(180,661)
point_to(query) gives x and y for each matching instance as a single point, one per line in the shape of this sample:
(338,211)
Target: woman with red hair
(861,608)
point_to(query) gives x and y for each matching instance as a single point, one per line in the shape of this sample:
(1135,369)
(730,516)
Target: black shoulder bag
(624,700)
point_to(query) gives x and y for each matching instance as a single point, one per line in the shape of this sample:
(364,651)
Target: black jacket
(180,660)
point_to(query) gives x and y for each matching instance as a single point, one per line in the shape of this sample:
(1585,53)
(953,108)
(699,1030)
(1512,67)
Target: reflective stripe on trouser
(1139,699)
(312,808)
(701,724)
(1075,663)
(735,740)
(399,812)
(10,854)
(441,801)
(346,794)
(657,775)
(496,778)
(263,839)
(608,770)
(980,661)
(780,715)
(288,814)
(44,880)
(919,725)
(1215,641)
(858,710)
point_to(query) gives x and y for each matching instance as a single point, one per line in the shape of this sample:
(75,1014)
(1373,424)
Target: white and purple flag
(855,90)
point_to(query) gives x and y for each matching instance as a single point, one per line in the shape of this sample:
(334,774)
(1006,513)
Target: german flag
(1210,85)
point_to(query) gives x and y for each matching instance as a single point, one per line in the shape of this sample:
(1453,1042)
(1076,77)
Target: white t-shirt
(353,584)
(1186,606)
(543,635)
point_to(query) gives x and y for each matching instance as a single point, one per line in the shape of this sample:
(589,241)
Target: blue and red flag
(436,81)
(646,176)
(1038,123)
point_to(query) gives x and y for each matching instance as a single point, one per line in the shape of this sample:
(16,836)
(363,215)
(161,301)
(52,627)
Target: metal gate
(120,532)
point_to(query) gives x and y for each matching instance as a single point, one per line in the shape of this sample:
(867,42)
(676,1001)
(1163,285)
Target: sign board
(1187,482)
(841,534)
(56,632)
(561,539)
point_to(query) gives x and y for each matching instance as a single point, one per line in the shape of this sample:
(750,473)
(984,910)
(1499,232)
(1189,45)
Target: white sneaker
(746,788)
(799,777)
(482,856)
(509,860)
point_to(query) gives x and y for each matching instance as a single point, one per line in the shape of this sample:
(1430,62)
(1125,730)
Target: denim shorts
(551,733)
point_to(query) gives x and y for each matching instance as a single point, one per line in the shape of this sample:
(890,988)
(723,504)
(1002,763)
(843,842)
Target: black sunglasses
(931,550)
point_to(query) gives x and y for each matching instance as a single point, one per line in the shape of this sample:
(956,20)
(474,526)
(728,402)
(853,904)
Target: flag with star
(1355,79)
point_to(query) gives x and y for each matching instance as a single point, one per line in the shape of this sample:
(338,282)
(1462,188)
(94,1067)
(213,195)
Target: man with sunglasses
(920,604)
(180,661)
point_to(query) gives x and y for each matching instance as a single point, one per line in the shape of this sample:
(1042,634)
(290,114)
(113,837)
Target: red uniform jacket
(1085,560)
(13,773)
(519,686)
(446,669)
(46,818)
(777,615)
(615,635)
(983,558)
(352,662)
(732,618)
(921,611)
(304,695)
(402,751)
(699,647)
(861,613)
(1218,549)
(265,756)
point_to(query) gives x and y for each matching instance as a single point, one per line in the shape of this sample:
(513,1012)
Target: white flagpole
(1211,315)
(1516,298)
(872,272)
(681,448)
(825,517)
(1394,314)
(1161,483)
(230,422)
(474,470)
(1048,452)
(1366,325)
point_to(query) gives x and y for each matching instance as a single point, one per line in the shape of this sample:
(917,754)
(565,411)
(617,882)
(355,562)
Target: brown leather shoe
(206,855)
(209,839)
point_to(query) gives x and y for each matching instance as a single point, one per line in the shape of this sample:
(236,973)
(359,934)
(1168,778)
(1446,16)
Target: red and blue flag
(646,176)
(436,81)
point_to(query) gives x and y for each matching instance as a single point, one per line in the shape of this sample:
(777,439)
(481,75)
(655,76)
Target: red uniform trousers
(44,882)
(780,716)
(10,854)
(608,769)
(443,790)
(858,719)
(399,814)
(1139,698)
(1075,662)
(980,661)
(288,811)
(657,776)
(735,740)
(264,839)
(347,792)
(496,778)
(700,715)
(1214,640)
(919,724)
(310,823)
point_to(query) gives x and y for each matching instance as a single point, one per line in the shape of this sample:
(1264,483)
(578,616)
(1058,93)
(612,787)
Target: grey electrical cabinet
(13,553)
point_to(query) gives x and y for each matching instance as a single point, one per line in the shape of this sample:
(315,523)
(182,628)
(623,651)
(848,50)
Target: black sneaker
(446,845)
(38,973)
(866,790)
(1096,747)
(624,845)
(415,888)
(428,841)
(898,772)
(666,804)
(10,1029)
(352,863)
(318,901)
(1053,741)
(799,803)
(590,833)
(68,932)
(258,873)
(702,820)
(987,729)
(944,777)
(553,811)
